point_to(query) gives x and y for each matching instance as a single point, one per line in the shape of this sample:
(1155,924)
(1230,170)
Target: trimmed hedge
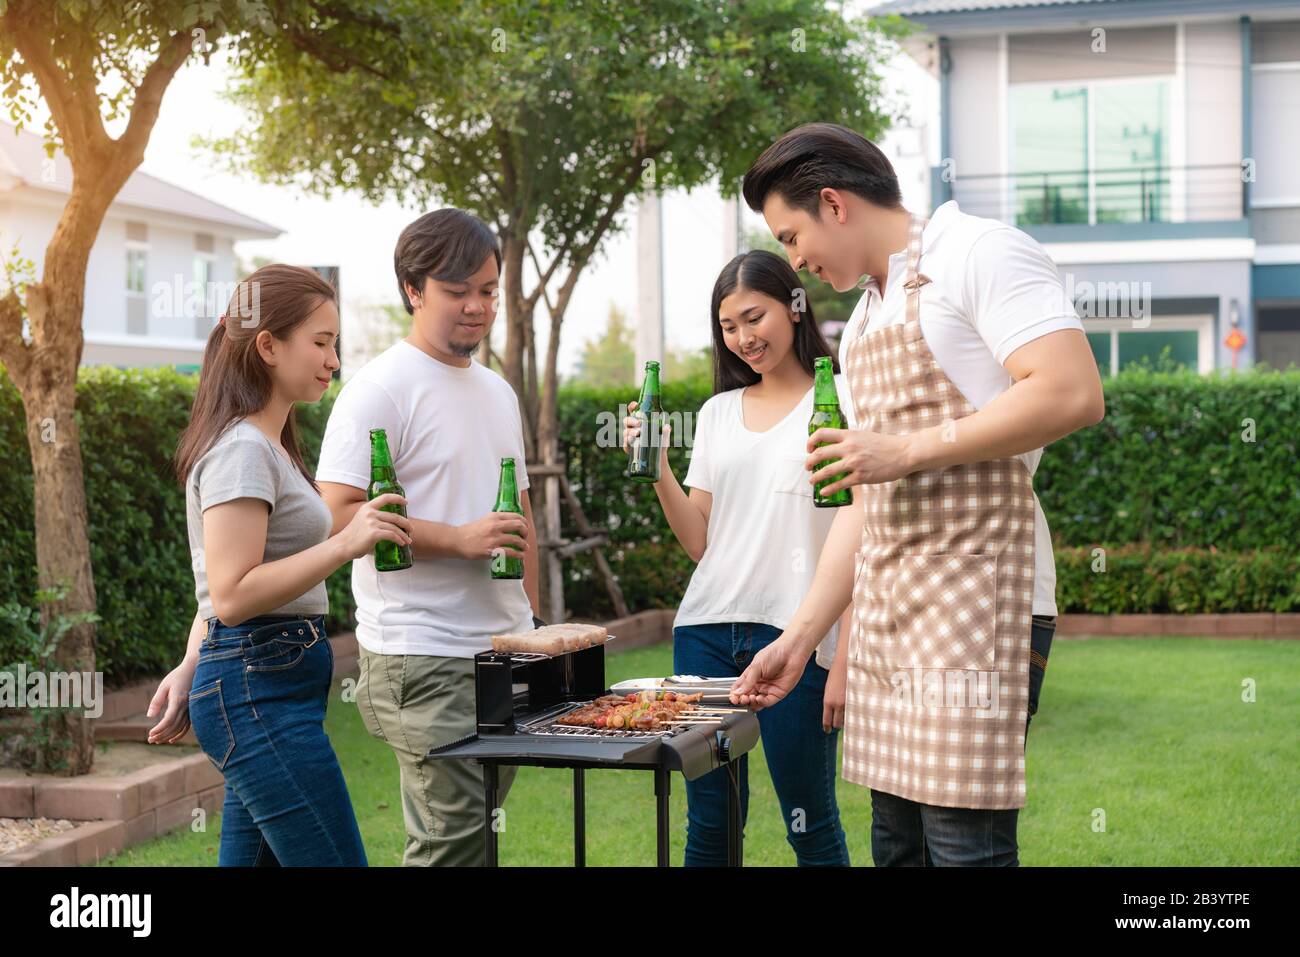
(1170,464)
(1182,581)
(1192,517)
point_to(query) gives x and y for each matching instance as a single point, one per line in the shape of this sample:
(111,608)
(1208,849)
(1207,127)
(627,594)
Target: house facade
(163,266)
(1151,145)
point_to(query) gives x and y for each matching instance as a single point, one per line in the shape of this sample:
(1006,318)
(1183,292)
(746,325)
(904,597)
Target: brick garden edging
(124,809)
(1262,625)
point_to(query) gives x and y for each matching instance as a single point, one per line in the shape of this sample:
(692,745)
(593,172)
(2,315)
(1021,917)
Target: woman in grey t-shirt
(255,679)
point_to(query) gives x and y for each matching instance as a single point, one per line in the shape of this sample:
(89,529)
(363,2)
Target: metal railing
(1133,194)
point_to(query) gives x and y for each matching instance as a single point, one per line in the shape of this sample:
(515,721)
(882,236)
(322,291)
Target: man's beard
(465,348)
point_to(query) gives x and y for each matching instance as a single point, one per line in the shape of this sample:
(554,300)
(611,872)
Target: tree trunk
(62,542)
(518,318)
(45,373)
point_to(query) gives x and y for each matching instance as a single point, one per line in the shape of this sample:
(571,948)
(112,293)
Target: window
(137,277)
(1131,152)
(1094,151)
(1050,153)
(205,315)
(1169,342)
(136,262)
(1279,335)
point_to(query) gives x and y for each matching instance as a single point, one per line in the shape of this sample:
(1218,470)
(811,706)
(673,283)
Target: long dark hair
(234,380)
(763,272)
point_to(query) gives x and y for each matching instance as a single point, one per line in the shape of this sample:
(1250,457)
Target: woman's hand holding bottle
(371,524)
(632,429)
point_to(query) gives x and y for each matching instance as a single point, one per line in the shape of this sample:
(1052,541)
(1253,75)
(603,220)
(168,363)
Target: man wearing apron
(940,552)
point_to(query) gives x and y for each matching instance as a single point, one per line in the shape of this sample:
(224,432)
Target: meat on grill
(646,711)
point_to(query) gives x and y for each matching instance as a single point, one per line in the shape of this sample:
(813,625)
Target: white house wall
(171,337)
(1213,117)
(974,114)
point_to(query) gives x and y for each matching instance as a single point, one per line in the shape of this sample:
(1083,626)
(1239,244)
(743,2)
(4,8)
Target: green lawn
(1153,732)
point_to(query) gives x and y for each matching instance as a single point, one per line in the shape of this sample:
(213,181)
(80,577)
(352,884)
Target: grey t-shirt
(243,463)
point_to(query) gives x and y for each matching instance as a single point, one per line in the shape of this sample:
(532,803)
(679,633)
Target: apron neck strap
(912,276)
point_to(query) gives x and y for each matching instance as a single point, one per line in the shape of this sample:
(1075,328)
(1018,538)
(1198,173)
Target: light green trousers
(415,703)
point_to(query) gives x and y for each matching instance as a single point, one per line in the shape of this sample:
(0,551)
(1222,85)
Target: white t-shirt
(765,535)
(993,288)
(448,430)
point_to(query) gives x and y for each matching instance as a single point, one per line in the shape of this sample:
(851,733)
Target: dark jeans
(909,834)
(800,755)
(257,705)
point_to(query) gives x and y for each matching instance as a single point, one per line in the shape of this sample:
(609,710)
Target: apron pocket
(944,607)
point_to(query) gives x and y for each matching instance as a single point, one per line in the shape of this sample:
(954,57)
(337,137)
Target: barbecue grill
(519,699)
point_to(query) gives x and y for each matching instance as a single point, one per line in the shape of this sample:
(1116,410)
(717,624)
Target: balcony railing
(1151,194)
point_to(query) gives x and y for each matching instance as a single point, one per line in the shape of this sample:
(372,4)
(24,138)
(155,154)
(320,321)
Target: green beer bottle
(503,564)
(389,556)
(643,454)
(827,415)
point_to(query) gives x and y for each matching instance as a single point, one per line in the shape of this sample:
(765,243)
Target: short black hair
(448,245)
(816,156)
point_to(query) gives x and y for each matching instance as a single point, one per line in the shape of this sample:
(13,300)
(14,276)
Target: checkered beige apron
(938,660)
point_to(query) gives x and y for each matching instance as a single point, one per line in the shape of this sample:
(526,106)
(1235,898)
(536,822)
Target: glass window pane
(1164,351)
(135,265)
(1050,153)
(202,300)
(1100,342)
(1132,151)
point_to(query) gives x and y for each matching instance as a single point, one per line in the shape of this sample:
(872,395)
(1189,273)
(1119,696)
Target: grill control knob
(724,747)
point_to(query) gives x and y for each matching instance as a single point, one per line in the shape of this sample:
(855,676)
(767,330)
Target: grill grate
(578,731)
(545,724)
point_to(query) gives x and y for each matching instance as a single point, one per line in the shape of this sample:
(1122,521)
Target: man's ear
(834,199)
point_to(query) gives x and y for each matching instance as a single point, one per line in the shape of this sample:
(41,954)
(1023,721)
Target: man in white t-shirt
(449,421)
(984,327)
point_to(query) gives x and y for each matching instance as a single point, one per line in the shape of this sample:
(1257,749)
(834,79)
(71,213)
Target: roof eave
(1066,15)
(253,229)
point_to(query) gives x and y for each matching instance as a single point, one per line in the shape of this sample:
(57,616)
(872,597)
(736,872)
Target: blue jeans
(910,834)
(257,705)
(800,755)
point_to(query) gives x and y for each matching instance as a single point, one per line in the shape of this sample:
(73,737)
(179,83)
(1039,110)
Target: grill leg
(735,829)
(579,818)
(662,784)
(491,788)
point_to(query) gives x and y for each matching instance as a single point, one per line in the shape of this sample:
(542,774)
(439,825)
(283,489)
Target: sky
(357,236)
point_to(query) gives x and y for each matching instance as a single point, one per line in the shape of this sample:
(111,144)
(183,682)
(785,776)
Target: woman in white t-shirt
(750,523)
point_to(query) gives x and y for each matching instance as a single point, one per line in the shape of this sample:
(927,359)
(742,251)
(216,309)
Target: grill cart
(520,701)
